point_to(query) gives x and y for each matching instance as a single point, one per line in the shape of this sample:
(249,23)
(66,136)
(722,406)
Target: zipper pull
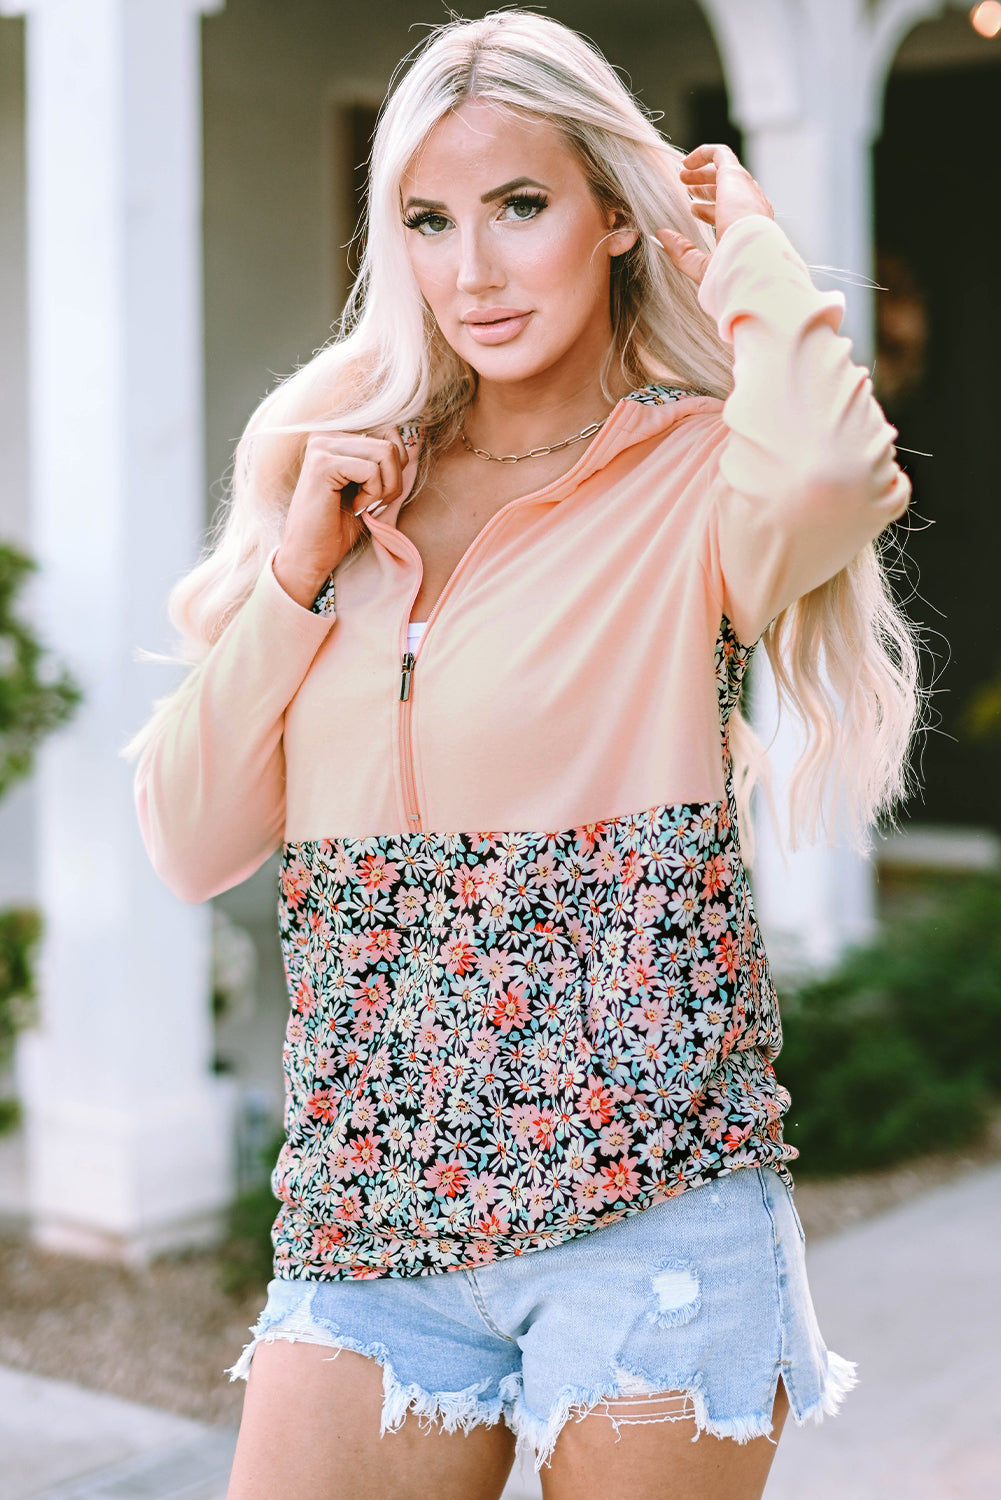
(407,671)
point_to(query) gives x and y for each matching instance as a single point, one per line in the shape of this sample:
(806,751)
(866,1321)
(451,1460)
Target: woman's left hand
(723,191)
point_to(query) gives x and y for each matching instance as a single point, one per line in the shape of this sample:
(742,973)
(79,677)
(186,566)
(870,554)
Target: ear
(623,233)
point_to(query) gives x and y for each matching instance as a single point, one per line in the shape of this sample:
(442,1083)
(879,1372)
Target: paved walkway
(914,1296)
(60,1441)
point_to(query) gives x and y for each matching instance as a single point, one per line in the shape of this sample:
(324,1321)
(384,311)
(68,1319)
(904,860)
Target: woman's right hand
(342,474)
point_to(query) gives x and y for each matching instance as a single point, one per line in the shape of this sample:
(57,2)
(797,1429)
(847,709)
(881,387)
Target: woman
(469,650)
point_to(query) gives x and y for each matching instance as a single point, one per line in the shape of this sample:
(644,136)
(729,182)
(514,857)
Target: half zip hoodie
(528,991)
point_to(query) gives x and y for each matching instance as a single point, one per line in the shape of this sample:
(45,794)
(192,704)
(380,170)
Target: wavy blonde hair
(844,656)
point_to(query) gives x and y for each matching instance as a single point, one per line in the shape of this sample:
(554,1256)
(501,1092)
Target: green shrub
(245,1257)
(897,1052)
(36,696)
(20,930)
(945,972)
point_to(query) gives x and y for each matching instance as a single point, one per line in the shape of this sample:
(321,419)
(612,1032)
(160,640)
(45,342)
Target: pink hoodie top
(528,990)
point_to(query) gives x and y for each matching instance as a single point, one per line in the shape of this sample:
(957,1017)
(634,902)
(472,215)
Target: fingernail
(655,241)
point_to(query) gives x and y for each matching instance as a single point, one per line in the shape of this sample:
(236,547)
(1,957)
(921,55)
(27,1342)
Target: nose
(478,271)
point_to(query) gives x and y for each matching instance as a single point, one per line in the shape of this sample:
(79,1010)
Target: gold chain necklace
(516,458)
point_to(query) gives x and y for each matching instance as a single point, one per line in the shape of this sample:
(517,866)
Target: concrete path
(65,1443)
(913,1296)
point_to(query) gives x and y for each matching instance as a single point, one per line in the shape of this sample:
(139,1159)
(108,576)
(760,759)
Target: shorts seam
(795,1213)
(783,1364)
(481,1307)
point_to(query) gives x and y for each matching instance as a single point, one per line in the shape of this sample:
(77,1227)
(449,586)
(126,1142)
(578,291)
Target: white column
(128,1133)
(806,81)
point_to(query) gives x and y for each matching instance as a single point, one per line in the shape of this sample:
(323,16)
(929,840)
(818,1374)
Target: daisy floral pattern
(659,395)
(500,1040)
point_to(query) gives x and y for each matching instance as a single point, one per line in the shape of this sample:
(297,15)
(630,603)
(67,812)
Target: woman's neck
(510,418)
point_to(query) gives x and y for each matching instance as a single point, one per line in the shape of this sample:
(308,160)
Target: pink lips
(495,325)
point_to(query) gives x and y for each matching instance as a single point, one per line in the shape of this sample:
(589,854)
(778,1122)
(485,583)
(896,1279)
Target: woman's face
(509,246)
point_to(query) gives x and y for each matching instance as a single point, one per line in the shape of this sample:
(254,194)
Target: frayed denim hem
(540,1434)
(453,1411)
(622,1405)
(639,1398)
(840,1379)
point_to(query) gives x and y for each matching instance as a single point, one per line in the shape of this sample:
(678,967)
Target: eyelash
(421,216)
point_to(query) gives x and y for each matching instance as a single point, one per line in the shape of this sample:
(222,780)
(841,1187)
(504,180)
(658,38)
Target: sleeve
(210,786)
(807,473)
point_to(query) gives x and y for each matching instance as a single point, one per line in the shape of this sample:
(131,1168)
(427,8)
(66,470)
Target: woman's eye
(427,223)
(520,209)
(524,208)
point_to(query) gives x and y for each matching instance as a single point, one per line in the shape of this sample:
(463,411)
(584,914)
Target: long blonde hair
(388,365)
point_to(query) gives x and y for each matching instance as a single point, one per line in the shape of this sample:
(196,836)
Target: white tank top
(414,633)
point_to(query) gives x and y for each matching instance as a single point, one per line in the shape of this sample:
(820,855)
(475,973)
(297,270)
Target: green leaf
(37,694)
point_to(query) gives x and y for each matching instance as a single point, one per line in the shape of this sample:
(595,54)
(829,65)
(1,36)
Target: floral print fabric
(500,1040)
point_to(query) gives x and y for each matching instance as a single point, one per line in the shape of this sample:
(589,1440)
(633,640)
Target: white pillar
(128,1132)
(806,80)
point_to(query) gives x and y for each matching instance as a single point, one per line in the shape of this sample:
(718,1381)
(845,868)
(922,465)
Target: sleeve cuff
(756,270)
(310,624)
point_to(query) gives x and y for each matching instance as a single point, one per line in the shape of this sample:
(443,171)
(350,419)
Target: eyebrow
(491,197)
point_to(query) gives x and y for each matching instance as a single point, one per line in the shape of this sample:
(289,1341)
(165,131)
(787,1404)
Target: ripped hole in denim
(639,1402)
(632,1411)
(678,1293)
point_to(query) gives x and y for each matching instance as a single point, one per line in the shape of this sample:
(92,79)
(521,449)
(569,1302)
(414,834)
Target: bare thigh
(658,1460)
(311,1427)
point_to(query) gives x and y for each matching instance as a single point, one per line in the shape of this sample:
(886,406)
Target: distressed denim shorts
(704,1295)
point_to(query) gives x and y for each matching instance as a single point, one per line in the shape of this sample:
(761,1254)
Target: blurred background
(180,181)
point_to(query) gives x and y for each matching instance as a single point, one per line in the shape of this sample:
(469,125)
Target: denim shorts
(704,1295)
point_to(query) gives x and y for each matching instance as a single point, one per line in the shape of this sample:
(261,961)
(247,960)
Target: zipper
(408,660)
(406,745)
(406,673)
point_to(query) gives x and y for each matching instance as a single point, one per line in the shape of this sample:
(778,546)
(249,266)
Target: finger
(392,435)
(702,155)
(690,175)
(370,488)
(338,448)
(704,211)
(363,472)
(688,258)
(329,461)
(338,442)
(391,470)
(355,444)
